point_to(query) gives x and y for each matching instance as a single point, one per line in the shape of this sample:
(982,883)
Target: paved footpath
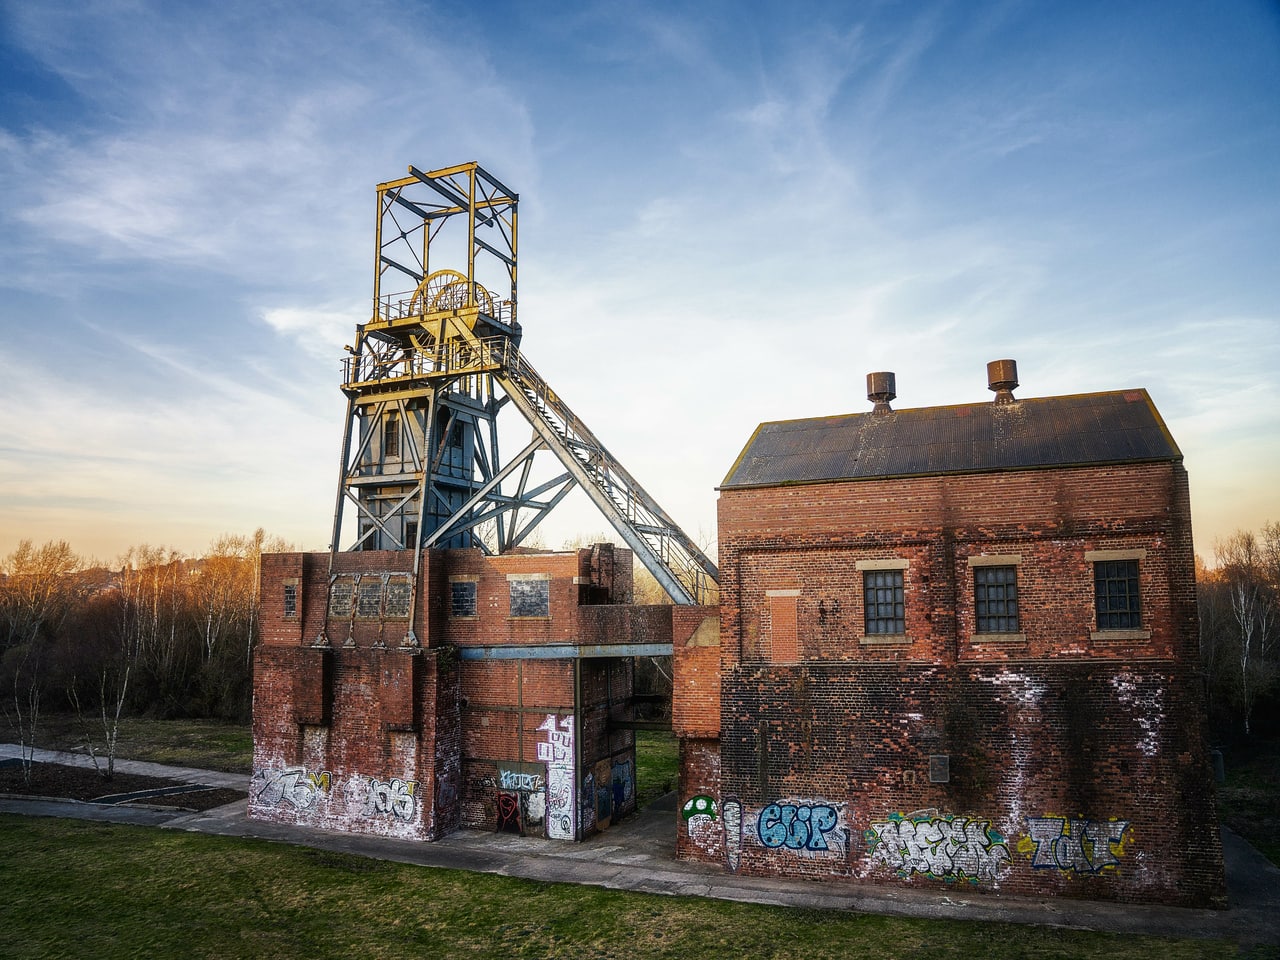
(638,854)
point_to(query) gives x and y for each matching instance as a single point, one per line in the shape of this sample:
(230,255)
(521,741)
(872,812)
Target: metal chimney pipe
(1002,377)
(881,388)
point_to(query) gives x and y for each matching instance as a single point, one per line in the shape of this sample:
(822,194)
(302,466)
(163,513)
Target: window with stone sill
(462,598)
(995,599)
(884,602)
(1116,598)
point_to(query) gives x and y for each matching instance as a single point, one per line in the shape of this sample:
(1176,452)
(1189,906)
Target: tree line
(158,634)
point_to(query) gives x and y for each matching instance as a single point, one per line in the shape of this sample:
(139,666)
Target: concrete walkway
(637,854)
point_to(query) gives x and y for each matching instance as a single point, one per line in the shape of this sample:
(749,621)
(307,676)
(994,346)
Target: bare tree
(1243,564)
(37,592)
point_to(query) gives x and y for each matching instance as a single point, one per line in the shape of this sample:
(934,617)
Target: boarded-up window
(340,596)
(530,598)
(369,599)
(291,600)
(462,598)
(397,600)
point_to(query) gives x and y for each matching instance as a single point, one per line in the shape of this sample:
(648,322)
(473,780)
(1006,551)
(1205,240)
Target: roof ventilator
(881,388)
(1002,377)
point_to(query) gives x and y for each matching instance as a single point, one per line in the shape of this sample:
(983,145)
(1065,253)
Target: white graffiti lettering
(557,752)
(1085,846)
(943,847)
(514,780)
(731,816)
(395,797)
(559,745)
(293,785)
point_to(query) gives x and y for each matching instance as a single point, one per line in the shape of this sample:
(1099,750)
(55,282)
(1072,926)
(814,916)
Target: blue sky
(730,212)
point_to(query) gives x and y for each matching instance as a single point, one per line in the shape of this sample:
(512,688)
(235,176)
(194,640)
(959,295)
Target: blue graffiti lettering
(796,826)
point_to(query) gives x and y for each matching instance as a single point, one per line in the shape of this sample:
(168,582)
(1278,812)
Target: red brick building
(957,645)
(491,692)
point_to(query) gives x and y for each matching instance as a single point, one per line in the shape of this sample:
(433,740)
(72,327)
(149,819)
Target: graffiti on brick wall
(509,819)
(587,798)
(731,818)
(805,826)
(395,798)
(701,821)
(944,847)
(603,795)
(624,784)
(515,780)
(557,753)
(1079,845)
(293,785)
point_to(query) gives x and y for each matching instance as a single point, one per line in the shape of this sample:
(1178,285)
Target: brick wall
(357,739)
(1026,746)
(1054,759)
(812,539)
(695,708)
(356,729)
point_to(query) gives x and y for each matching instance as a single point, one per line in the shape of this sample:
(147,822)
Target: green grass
(204,744)
(75,888)
(1249,802)
(657,764)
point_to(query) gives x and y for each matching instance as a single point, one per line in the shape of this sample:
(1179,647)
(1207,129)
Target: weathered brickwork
(695,711)
(406,706)
(1054,758)
(351,768)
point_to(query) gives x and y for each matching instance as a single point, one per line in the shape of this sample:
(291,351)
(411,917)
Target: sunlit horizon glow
(729,214)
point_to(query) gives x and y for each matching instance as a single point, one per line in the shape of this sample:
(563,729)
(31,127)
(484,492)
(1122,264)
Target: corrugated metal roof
(1116,427)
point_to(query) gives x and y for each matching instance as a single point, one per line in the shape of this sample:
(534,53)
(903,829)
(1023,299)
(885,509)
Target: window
(1115,594)
(391,436)
(291,601)
(369,598)
(462,598)
(530,595)
(410,534)
(995,599)
(884,602)
(340,598)
(399,590)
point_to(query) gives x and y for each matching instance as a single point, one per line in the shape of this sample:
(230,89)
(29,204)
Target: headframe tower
(431,370)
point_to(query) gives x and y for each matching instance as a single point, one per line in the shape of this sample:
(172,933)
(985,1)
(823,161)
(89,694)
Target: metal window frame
(985,621)
(1117,593)
(874,620)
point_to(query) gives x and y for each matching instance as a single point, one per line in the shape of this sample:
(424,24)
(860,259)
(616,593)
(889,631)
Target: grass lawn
(657,764)
(74,888)
(204,744)
(1249,802)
